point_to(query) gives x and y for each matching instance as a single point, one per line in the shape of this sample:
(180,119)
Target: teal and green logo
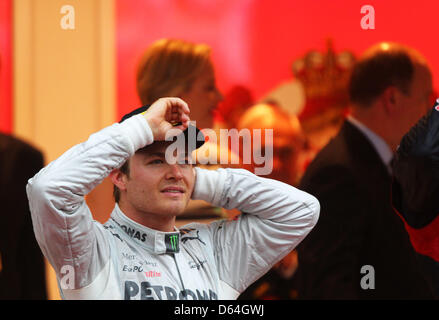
(172,242)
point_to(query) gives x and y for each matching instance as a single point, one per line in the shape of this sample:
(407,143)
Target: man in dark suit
(22,269)
(359,249)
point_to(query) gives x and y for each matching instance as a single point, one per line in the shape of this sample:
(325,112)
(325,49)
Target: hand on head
(166,114)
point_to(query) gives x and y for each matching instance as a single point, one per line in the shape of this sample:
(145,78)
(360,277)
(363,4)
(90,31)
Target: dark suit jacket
(23,271)
(357,227)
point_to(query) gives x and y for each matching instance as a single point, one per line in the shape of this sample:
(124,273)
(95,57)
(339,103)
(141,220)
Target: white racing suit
(125,260)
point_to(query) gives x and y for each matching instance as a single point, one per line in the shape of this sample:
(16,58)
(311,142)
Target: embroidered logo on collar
(186,238)
(111,228)
(172,242)
(133,233)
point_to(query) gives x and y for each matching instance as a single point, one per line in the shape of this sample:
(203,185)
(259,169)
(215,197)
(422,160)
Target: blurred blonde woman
(177,68)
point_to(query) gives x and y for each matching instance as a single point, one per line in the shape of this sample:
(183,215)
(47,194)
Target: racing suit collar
(156,241)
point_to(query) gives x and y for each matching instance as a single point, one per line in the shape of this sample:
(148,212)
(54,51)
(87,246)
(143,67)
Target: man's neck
(376,122)
(150,220)
(381,147)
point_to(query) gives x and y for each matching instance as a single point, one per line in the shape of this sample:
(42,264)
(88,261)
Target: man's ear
(118,178)
(390,98)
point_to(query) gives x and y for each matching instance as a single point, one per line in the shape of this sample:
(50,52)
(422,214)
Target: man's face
(155,187)
(284,160)
(280,154)
(203,97)
(418,101)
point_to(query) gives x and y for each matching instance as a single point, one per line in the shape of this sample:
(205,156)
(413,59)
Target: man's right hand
(163,114)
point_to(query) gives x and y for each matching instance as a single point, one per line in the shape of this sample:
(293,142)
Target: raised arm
(62,222)
(276,217)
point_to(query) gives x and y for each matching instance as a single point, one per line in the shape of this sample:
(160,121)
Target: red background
(254,42)
(5,66)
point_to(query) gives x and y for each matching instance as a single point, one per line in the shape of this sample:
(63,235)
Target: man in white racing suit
(139,253)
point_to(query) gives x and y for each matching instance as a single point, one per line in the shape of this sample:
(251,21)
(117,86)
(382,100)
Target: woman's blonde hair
(168,68)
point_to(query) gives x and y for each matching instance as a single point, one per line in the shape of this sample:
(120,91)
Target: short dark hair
(125,169)
(371,76)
